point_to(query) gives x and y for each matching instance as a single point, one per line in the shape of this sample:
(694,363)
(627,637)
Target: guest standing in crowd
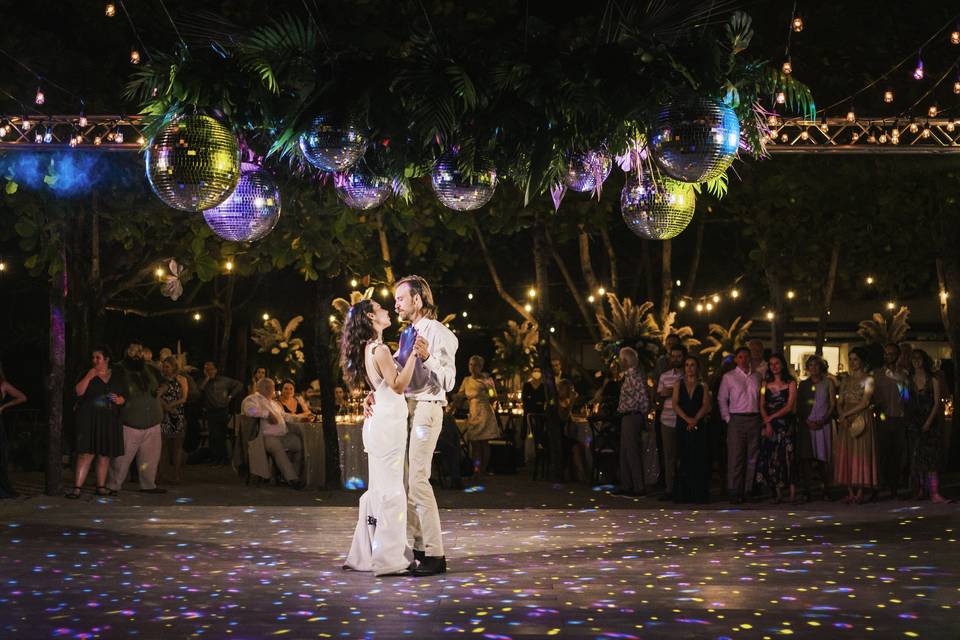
(294,404)
(664,360)
(633,407)
(258,374)
(534,394)
(925,414)
(692,404)
(571,453)
(891,388)
(855,454)
(141,415)
(607,396)
(739,399)
(758,360)
(174,390)
(777,458)
(480,392)
(668,417)
(816,404)
(10,396)
(218,393)
(277,439)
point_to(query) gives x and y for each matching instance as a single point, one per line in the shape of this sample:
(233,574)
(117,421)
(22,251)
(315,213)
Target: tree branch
(612,257)
(385,250)
(695,260)
(148,313)
(495,276)
(578,298)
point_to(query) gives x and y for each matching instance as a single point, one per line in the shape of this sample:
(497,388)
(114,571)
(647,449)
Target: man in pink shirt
(739,401)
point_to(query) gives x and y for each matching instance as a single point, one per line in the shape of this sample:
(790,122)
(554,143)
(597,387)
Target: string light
(591,299)
(82,121)
(39,98)
(869,279)
(228,265)
(883,138)
(699,307)
(97,140)
(601,291)
(851,115)
(142,141)
(134,56)
(943,294)
(353,282)
(3,266)
(384,292)
(932,111)
(528,307)
(956,87)
(38,138)
(118,137)
(532,293)
(770,315)
(955,37)
(464,314)
(791,295)
(48,136)
(3,131)
(913,127)
(888,96)
(26,124)
(926,132)
(553,329)
(110,10)
(709,306)
(332,318)
(678,283)
(265,317)
(682,304)
(891,305)
(797,24)
(781,97)
(197,316)
(918,71)
(469,296)
(734,294)
(159,272)
(716,298)
(469,326)
(787,67)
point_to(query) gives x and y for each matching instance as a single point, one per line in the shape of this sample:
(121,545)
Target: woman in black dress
(99,432)
(691,401)
(777,463)
(9,396)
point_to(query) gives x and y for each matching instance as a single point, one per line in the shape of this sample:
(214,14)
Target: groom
(435,374)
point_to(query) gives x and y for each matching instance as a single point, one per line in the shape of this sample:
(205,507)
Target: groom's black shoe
(431,565)
(419,556)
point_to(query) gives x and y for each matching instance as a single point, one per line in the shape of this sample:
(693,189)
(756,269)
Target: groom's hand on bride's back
(368,403)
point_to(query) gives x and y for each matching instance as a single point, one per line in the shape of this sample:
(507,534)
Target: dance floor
(582,566)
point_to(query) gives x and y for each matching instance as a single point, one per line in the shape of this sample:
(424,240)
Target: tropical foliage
(282,353)
(629,325)
(724,341)
(516,352)
(878,330)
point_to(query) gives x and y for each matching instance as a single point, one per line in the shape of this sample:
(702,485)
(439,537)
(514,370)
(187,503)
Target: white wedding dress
(380,539)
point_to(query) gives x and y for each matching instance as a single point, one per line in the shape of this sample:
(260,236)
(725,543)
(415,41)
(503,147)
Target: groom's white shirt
(434,378)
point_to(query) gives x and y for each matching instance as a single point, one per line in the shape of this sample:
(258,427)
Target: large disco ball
(656,211)
(360,189)
(587,170)
(695,141)
(193,163)
(458,192)
(331,145)
(251,211)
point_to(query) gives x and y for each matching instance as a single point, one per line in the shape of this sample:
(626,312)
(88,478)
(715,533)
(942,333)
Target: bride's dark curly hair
(357,332)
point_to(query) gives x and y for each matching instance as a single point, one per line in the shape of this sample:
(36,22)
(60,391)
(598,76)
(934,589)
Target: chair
(537,425)
(604,448)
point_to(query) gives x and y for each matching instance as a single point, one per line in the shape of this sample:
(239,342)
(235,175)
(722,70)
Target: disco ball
(458,192)
(656,211)
(251,211)
(193,163)
(695,141)
(587,170)
(331,146)
(360,189)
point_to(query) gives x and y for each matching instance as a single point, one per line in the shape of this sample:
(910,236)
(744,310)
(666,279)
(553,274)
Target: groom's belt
(433,401)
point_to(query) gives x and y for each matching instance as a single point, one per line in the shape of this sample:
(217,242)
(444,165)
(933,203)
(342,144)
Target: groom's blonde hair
(420,287)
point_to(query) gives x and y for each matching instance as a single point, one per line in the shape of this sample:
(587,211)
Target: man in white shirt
(277,440)
(739,400)
(435,375)
(668,417)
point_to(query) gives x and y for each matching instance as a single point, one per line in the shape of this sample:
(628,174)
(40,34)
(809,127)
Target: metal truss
(100,132)
(864,135)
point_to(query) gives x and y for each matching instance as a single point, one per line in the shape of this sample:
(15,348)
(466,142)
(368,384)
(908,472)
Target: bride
(380,539)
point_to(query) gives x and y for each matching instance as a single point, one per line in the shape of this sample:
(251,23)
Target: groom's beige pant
(423,517)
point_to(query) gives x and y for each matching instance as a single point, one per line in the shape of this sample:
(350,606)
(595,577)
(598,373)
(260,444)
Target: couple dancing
(398,530)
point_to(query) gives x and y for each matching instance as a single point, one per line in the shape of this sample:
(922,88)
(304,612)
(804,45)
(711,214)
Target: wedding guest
(739,400)
(10,396)
(891,388)
(572,451)
(777,466)
(854,449)
(925,414)
(292,403)
(607,396)
(816,404)
(665,360)
(480,392)
(668,417)
(218,393)
(148,359)
(277,440)
(692,404)
(174,391)
(633,407)
(141,415)
(534,394)
(758,360)
(258,374)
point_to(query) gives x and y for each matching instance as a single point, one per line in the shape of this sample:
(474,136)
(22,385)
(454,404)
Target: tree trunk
(695,260)
(666,279)
(224,349)
(582,305)
(324,356)
(385,251)
(57,364)
(586,264)
(827,296)
(612,258)
(495,276)
(544,356)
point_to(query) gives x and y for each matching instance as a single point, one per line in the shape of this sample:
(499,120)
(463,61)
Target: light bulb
(791,295)
(553,329)
(913,127)
(734,294)
(772,121)
(951,127)
(943,295)
(26,124)
(110,10)
(883,138)
(3,266)
(956,86)
(891,305)
(851,116)
(228,265)
(353,282)
(469,325)
(118,137)
(699,307)
(781,97)
(464,314)
(678,283)
(265,317)
(601,291)
(134,57)
(97,141)
(528,307)
(797,24)
(3,131)
(716,298)
(804,135)
(926,132)
(932,111)
(770,315)
(48,136)
(869,279)
(141,141)
(825,127)
(888,96)
(709,306)
(682,304)
(333,318)
(532,293)
(955,37)
(469,296)
(384,292)
(591,299)
(38,138)
(854,136)
(82,121)
(787,67)
(39,98)
(918,72)
(159,272)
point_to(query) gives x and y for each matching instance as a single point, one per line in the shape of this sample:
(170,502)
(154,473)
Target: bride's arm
(396,379)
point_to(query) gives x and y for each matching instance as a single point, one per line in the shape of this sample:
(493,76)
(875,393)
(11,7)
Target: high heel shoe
(73,494)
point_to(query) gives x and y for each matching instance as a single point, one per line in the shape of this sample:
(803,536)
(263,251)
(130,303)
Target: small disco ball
(656,211)
(587,170)
(458,192)
(331,146)
(362,190)
(193,163)
(695,141)
(251,211)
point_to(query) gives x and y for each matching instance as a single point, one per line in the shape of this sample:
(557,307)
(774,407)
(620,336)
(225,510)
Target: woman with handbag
(855,455)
